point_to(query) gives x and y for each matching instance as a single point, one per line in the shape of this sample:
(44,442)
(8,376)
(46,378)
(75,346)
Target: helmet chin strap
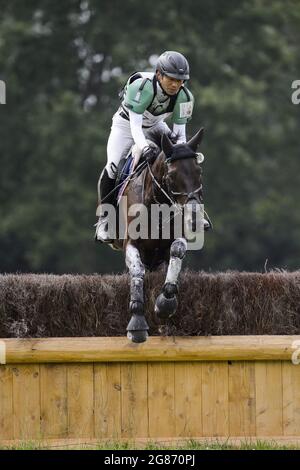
(162,88)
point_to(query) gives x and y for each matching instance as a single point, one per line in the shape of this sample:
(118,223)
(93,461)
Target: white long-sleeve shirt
(136,121)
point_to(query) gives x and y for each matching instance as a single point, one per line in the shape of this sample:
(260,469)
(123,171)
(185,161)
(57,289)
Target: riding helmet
(173,64)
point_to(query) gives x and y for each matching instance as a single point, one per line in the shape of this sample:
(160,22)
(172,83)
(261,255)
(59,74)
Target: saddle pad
(126,171)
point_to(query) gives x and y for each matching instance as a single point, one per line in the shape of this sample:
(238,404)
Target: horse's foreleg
(137,328)
(166,303)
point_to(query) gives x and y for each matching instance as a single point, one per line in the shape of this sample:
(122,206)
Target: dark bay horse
(173,181)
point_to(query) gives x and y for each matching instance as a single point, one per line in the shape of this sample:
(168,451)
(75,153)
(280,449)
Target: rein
(160,187)
(178,207)
(141,166)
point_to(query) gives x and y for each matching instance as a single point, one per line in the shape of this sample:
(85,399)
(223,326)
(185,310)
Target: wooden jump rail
(119,349)
(92,389)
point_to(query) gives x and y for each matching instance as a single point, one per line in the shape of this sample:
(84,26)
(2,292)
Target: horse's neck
(151,190)
(158,167)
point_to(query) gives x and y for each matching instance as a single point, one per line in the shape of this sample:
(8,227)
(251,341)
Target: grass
(152,445)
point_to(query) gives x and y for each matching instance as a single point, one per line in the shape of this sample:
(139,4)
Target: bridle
(189,196)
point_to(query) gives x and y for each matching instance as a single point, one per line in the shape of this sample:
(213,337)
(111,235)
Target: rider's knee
(111,169)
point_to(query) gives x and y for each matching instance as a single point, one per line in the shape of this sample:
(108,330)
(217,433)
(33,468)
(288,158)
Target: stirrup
(109,241)
(99,239)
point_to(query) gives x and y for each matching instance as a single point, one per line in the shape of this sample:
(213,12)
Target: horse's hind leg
(166,303)
(137,328)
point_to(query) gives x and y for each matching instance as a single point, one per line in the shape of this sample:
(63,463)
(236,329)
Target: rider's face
(170,85)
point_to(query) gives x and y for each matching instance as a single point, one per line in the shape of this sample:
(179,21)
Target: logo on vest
(186,110)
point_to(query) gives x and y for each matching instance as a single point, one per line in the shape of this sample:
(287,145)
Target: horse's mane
(156,138)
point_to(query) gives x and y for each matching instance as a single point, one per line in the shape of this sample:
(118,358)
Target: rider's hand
(149,153)
(173,137)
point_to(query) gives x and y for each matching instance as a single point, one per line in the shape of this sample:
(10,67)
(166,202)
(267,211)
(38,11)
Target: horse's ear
(166,145)
(196,140)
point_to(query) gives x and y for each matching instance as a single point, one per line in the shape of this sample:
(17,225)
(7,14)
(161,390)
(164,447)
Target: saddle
(125,169)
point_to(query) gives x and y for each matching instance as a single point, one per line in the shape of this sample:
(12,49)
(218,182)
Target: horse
(173,180)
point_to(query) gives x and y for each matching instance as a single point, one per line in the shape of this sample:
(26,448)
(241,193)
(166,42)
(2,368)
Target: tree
(63,63)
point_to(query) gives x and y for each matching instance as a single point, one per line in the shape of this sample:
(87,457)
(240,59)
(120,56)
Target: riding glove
(149,153)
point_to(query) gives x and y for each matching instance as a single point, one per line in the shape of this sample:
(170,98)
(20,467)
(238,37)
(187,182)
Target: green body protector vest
(143,94)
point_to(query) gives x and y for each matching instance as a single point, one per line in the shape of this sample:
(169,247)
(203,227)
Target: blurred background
(63,63)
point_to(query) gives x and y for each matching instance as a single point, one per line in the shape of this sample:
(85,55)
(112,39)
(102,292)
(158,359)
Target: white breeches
(120,141)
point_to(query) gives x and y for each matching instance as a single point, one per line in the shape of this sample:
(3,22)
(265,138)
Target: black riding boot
(107,196)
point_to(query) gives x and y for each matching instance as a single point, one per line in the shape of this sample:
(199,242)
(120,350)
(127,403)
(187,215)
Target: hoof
(165,307)
(137,336)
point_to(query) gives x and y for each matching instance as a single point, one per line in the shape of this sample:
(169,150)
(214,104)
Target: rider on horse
(147,100)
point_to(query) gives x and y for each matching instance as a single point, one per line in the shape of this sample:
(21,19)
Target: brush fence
(181,387)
